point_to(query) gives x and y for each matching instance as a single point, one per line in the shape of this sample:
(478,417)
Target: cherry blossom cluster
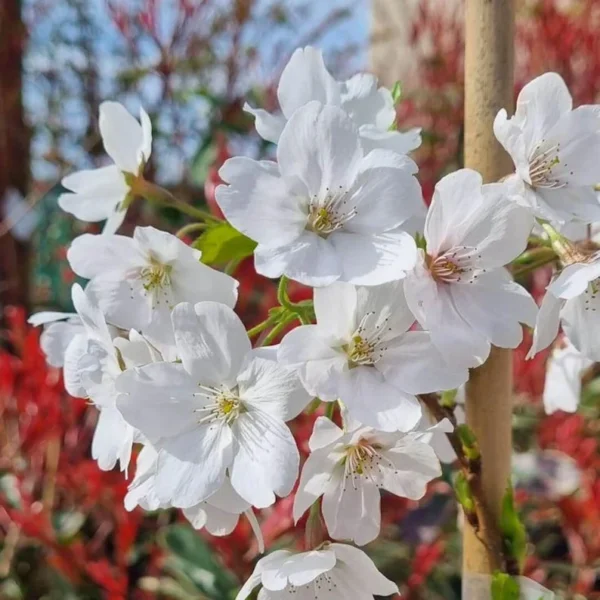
(406,300)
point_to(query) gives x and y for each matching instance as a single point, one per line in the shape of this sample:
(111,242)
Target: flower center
(358,458)
(156,276)
(330,213)
(365,347)
(224,405)
(454,265)
(541,164)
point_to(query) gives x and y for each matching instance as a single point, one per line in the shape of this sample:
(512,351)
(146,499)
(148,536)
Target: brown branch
(482,520)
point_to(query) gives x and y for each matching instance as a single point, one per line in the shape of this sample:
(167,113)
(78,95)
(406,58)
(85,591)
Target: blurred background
(192,64)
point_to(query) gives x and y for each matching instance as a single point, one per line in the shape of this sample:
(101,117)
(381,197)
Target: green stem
(282,294)
(191,228)
(260,327)
(330,410)
(533,266)
(272,335)
(232,266)
(159,195)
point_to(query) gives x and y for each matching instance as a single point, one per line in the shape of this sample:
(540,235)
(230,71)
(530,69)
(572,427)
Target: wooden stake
(488,88)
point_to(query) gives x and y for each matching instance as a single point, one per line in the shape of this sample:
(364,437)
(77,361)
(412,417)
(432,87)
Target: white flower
(99,194)
(555,150)
(97,369)
(349,468)
(139,280)
(333,572)
(362,352)
(562,389)
(459,290)
(573,298)
(306,78)
(326,211)
(223,409)
(219,514)
(64,342)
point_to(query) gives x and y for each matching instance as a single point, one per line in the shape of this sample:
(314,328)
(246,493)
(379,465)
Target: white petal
(306,78)
(413,364)
(457,199)
(113,440)
(364,567)
(92,255)
(573,280)
(211,340)
(49,316)
(76,349)
(271,387)
(352,510)
(268,126)
(55,340)
(509,133)
(335,307)
(541,104)
(566,203)
(191,467)
(114,221)
(310,260)
(366,103)
(308,349)
(532,590)
(548,321)
(374,259)
(385,192)
(325,432)
(146,147)
(97,193)
(122,136)
(259,202)
(91,316)
(401,142)
(412,465)
(581,324)
(374,402)
(266,461)
(158,399)
(320,146)
(562,389)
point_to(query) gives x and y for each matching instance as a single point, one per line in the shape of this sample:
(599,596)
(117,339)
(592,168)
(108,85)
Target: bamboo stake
(488,88)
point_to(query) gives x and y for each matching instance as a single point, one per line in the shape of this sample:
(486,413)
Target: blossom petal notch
(102,194)
(327,211)
(555,151)
(305,78)
(362,352)
(460,291)
(218,413)
(332,572)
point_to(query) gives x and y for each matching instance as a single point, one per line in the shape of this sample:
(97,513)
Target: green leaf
(193,560)
(463,492)
(504,587)
(469,442)
(222,243)
(512,528)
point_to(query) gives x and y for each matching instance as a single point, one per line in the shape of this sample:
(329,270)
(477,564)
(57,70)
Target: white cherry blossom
(555,150)
(362,352)
(219,514)
(327,210)
(305,78)
(139,280)
(100,194)
(332,572)
(97,369)
(459,290)
(63,342)
(573,299)
(349,468)
(222,410)
(562,388)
